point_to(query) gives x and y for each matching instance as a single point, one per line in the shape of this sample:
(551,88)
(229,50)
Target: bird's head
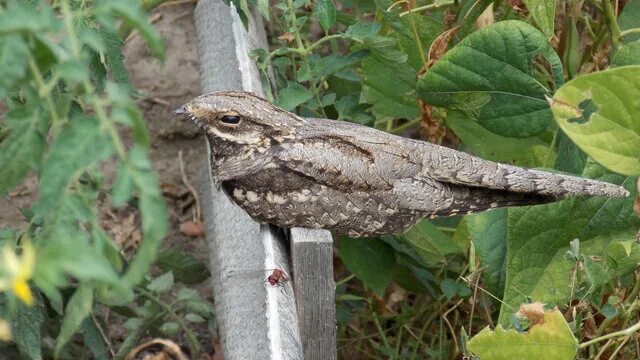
(240,117)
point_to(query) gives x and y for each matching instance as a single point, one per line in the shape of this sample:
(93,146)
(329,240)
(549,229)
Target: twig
(177,2)
(104,336)
(453,333)
(192,190)
(626,332)
(604,348)
(615,352)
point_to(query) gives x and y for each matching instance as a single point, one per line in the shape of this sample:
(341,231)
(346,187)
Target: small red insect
(277,277)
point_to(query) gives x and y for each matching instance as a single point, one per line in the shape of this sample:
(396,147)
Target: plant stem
(194,345)
(427,7)
(43,92)
(612,22)
(629,32)
(345,280)
(626,332)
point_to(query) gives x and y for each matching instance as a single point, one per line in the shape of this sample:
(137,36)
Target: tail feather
(472,200)
(455,167)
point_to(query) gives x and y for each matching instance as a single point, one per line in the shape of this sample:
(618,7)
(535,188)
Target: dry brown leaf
(288,37)
(534,312)
(589,327)
(439,45)
(192,228)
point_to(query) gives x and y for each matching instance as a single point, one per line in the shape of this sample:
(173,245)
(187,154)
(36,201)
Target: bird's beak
(180,111)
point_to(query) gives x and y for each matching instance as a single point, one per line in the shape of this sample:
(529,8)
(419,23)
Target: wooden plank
(255,319)
(314,288)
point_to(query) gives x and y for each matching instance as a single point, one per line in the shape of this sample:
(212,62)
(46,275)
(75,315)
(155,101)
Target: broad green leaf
(80,144)
(170,328)
(371,260)
(78,308)
(543,13)
(325,11)
(488,232)
(551,339)
(26,17)
(570,158)
(528,152)
(14,58)
(630,19)
(491,76)
(162,283)
(451,288)
(432,245)
(627,55)
(600,113)
(292,96)
(25,327)
(538,238)
(22,149)
(623,257)
(185,268)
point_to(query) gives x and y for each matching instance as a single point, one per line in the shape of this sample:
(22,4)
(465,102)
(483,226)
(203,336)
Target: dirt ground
(162,87)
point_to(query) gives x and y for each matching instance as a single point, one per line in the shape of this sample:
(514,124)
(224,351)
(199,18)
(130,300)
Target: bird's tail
(459,168)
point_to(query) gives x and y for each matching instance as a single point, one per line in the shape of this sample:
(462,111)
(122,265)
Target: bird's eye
(230,119)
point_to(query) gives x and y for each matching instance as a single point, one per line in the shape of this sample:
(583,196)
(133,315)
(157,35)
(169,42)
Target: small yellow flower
(5,331)
(17,270)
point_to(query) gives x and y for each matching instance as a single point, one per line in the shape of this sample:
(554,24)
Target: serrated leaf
(170,328)
(371,260)
(432,245)
(14,58)
(185,268)
(132,13)
(22,149)
(543,13)
(551,339)
(25,327)
(26,17)
(538,238)
(194,318)
(362,31)
(491,77)
(292,96)
(600,113)
(77,309)
(162,283)
(80,144)
(325,11)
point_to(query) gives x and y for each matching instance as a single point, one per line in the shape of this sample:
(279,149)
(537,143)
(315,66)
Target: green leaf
(432,245)
(528,152)
(78,308)
(488,232)
(630,19)
(623,257)
(22,149)
(371,260)
(26,17)
(292,96)
(538,237)
(80,144)
(14,58)
(185,268)
(543,13)
(325,11)
(72,71)
(491,77)
(570,158)
(132,13)
(170,328)
(451,288)
(162,283)
(153,211)
(599,113)
(627,55)
(551,339)
(93,339)
(362,31)
(388,96)
(194,318)
(25,327)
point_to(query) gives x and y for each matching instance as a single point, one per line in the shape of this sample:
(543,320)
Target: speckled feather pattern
(355,180)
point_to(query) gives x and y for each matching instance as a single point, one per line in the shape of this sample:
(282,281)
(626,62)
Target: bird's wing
(345,156)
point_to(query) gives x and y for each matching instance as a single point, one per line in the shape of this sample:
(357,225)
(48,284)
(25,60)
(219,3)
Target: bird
(355,180)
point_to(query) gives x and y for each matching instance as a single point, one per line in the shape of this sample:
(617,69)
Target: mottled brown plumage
(319,173)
